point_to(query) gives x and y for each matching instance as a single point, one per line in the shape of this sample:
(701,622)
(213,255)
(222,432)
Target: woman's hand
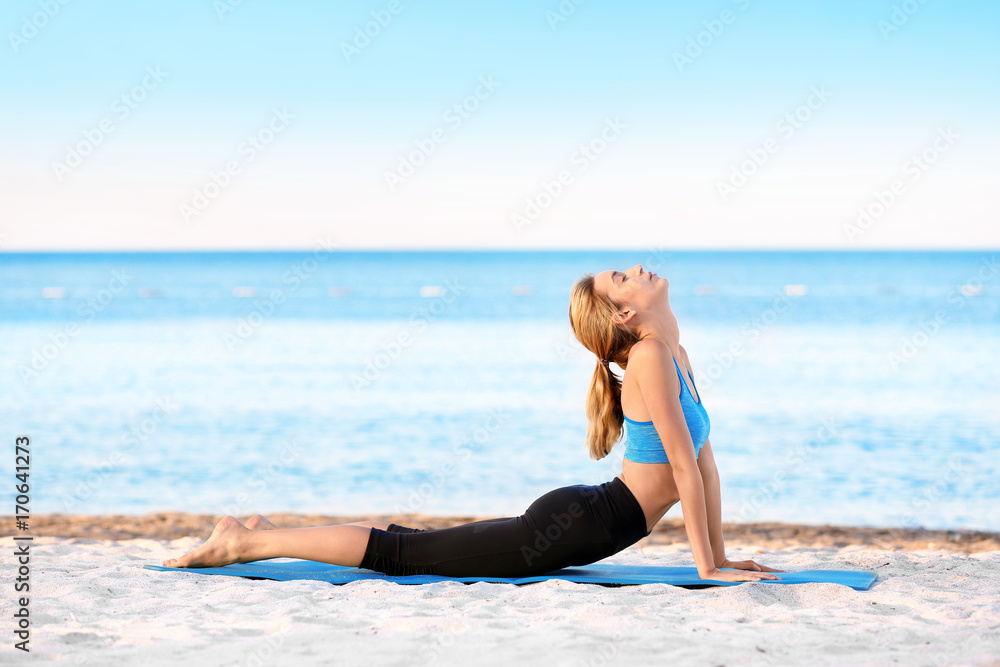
(747,565)
(737,575)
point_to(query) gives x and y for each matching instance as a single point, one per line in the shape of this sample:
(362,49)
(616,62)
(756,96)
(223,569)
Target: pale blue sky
(664,177)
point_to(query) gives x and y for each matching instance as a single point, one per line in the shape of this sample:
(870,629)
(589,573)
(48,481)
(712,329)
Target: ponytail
(604,411)
(591,316)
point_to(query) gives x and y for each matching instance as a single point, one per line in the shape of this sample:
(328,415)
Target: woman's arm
(692,493)
(660,387)
(713,502)
(713,494)
(653,365)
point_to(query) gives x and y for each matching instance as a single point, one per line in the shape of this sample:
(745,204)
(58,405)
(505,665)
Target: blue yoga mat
(597,573)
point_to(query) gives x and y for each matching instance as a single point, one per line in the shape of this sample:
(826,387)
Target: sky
(228,124)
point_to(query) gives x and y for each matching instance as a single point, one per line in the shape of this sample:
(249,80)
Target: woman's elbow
(686,470)
(708,469)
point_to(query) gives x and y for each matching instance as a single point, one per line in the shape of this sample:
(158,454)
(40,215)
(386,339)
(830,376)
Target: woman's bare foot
(260,522)
(227,544)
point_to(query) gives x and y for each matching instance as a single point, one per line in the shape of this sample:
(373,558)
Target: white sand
(93,604)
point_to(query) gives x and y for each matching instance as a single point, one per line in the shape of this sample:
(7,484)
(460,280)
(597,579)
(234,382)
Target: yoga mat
(597,573)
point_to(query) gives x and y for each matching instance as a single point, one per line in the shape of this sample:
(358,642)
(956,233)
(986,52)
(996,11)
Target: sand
(93,604)
(171,525)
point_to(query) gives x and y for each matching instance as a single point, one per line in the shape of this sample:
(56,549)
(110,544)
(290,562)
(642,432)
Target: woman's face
(634,288)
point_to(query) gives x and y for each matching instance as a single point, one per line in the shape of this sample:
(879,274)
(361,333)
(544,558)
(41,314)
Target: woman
(623,317)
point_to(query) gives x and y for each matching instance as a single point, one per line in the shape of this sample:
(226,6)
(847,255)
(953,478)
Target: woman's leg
(232,542)
(396,528)
(572,525)
(261,522)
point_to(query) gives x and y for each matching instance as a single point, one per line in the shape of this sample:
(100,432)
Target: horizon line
(248,251)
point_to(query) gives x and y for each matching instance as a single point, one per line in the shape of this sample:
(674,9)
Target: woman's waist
(652,486)
(614,502)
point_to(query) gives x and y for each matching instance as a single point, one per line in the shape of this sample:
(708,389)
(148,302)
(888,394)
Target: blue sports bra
(642,442)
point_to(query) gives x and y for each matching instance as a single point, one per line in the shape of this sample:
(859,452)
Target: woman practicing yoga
(623,317)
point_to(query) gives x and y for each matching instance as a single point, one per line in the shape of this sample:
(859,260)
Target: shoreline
(769,535)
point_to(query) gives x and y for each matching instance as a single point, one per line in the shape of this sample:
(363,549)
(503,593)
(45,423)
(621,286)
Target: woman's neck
(664,328)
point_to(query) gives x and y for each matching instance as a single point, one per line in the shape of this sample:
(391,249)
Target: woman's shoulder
(648,350)
(645,345)
(651,349)
(651,370)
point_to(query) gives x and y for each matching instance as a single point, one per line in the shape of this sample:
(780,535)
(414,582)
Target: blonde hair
(591,315)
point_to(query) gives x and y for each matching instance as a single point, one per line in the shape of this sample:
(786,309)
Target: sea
(844,388)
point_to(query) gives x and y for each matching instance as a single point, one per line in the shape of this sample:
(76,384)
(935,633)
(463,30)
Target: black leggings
(571,525)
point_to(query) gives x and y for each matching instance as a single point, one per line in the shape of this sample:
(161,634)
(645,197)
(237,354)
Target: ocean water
(845,388)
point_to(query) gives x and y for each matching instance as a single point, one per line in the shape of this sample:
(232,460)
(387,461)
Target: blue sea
(843,387)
